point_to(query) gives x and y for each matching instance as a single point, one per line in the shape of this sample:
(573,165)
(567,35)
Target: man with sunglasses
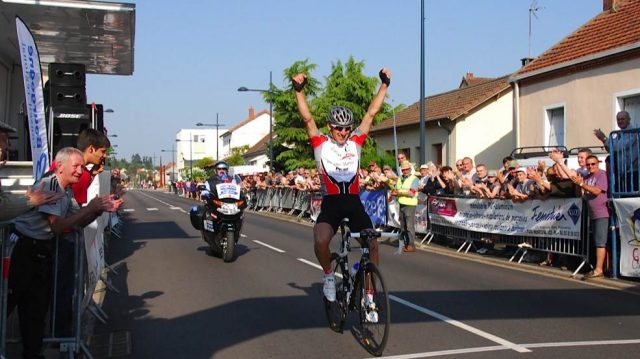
(594,191)
(337,157)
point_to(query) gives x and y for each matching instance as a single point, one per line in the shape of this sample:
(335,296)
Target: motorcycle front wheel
(229,247)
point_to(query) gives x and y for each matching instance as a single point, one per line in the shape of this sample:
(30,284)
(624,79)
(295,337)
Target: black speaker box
(67,126)
(73,75)
(67,97)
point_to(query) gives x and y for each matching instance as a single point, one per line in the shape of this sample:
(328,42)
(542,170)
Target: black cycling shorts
(337,207)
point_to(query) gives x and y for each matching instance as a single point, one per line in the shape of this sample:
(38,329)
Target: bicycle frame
(352,282)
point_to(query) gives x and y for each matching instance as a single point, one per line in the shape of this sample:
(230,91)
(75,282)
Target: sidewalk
(499,257)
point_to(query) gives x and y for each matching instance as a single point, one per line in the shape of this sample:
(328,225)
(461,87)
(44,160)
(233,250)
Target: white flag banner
(34,99)
(94,234)
(628,214)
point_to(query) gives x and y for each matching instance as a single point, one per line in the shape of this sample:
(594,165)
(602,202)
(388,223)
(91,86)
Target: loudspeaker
(67,97)
(72,75)
(67,125)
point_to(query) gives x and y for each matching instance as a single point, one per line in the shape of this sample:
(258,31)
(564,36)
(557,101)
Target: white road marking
(152,209)
(446,352)
(243,235)
(129,210)
(503,342)
(165,203)
(269,246)
(309,263)
(499,347)
(161,201)
(584,343)
(455,323)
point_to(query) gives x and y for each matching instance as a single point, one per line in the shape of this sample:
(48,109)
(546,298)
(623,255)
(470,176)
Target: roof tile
(451,105)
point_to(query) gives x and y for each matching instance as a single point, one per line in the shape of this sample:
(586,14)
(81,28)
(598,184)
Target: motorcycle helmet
(340,116)
(221,165)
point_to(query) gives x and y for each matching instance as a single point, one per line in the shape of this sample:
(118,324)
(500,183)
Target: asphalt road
(176,301)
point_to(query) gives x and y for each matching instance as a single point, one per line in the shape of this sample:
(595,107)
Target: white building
(247,132)
(195,144)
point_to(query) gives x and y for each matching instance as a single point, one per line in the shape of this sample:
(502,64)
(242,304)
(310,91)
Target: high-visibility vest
(406,186)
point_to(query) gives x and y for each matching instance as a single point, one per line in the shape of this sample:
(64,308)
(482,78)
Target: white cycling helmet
(340,116)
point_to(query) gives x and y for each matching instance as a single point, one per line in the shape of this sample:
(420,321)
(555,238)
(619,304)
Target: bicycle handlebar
(376,235)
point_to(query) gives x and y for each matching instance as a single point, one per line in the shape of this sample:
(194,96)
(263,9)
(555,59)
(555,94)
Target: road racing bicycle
(360,289)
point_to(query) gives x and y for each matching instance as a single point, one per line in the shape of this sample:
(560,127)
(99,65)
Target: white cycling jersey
(338,164)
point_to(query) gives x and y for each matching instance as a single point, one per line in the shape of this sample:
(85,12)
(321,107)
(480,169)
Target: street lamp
(173,176)
(190,154)
(270,93)
(217,126)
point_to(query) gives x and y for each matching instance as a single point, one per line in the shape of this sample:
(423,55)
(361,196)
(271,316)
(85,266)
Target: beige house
(475,120)
(258,154)
(580,83)
(247,132)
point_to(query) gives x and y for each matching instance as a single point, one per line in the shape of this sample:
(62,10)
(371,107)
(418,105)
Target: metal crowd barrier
(81,300)
(283,200)
(624,181)
(556,245)
(277,199)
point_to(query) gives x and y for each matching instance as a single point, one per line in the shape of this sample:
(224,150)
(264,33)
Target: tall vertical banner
(32,77)
(628,212)
(93,234)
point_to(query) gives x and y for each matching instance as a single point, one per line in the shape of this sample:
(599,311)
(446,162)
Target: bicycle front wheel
(373,308)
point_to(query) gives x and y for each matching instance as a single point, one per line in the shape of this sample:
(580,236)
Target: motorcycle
(220,219)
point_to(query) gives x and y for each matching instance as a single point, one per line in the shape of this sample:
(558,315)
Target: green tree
(236,158)
(291,142)
(204,162)
(346,85)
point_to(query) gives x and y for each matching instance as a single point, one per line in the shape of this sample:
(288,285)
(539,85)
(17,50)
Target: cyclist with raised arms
(337,157)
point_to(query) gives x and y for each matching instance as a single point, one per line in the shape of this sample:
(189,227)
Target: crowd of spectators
(511,181)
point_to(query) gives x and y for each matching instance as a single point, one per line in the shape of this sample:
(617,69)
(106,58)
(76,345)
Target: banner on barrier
(551,218)
(393,218)
(93,234)
(375,204)
(628,213)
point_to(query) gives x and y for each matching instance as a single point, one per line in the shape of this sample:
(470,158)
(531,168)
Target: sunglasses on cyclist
(341,128)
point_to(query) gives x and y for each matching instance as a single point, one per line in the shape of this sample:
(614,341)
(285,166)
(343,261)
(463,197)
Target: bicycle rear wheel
(337,311)
(373,308)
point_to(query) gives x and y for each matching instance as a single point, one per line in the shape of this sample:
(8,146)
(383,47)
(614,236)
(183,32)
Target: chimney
(612,5)
(469,76)
(252,112)
(525,61)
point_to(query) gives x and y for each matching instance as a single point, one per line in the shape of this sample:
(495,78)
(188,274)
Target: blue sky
(192,55)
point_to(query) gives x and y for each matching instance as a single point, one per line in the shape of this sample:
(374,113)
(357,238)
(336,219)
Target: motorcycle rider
(221,175)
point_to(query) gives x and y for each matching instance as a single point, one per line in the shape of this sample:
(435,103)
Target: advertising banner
(628,213)
(375,204)
(32,77)
(559,218)
(94,233)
